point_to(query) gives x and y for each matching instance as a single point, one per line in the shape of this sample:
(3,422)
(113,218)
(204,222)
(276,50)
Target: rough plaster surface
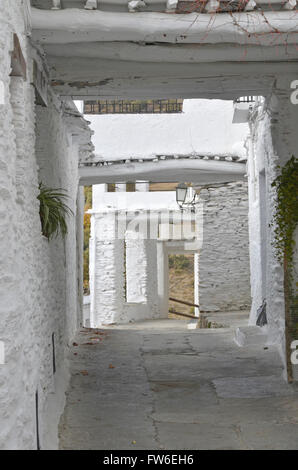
(273,141)
(136,269)
(38,280)
(142,390)
(224,277)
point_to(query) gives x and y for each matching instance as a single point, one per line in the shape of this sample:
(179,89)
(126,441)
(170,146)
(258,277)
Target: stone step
(192,324)
(250,335)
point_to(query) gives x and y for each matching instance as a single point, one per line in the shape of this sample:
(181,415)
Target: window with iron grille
(169,106)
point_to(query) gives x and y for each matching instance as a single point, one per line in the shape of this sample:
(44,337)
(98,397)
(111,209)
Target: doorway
(182,285)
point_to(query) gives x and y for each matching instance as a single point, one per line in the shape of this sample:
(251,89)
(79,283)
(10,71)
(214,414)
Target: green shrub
(179,262)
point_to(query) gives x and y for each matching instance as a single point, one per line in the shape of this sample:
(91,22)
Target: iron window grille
(165,106)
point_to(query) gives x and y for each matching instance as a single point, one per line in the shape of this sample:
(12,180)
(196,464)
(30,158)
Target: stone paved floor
(157,385)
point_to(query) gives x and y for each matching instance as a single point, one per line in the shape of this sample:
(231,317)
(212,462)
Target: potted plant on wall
(53,211)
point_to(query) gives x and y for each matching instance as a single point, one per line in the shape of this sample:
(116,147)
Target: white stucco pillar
(92,261)
(254,153)
(196,283)
(142,186)
(120,187)
(136,269)
(80,243)
(162,279)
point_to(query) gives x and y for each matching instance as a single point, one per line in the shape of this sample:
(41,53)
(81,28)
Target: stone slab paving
(158,385)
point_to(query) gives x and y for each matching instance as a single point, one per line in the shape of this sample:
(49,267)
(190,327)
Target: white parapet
(250,335)
(91,5)
(56,5)
(172,5)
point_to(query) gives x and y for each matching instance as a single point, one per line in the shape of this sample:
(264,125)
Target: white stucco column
(196,283)
(254,155)
(136,268)
(142,186)
(163,279)
(106,270)
(92,261)
(80,243)
(120,187)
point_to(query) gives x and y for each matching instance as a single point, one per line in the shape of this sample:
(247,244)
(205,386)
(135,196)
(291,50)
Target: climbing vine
(286,216)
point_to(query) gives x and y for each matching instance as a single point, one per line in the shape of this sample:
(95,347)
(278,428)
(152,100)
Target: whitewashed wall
(224,272)
(142,135)
(38,279)
(136,269)
(273,141)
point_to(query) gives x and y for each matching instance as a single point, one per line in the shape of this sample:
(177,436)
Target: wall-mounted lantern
(181,191)
(188,197)
(185,196)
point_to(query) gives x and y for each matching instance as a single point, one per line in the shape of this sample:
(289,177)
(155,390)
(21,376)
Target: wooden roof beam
(74,25)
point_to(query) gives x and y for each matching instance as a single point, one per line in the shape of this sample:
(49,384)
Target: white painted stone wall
(144,135)
(273,141)
(224,275)
(136,269)
(38,279)
(103,270)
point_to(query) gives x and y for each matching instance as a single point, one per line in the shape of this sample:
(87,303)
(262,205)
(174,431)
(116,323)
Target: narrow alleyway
(157,385)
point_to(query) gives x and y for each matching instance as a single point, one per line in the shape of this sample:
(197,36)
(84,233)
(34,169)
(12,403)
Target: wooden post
(184,302)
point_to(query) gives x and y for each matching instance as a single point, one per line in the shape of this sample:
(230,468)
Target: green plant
(286,216)
(179,262)
(53,211)
(286,220)
(87,217)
